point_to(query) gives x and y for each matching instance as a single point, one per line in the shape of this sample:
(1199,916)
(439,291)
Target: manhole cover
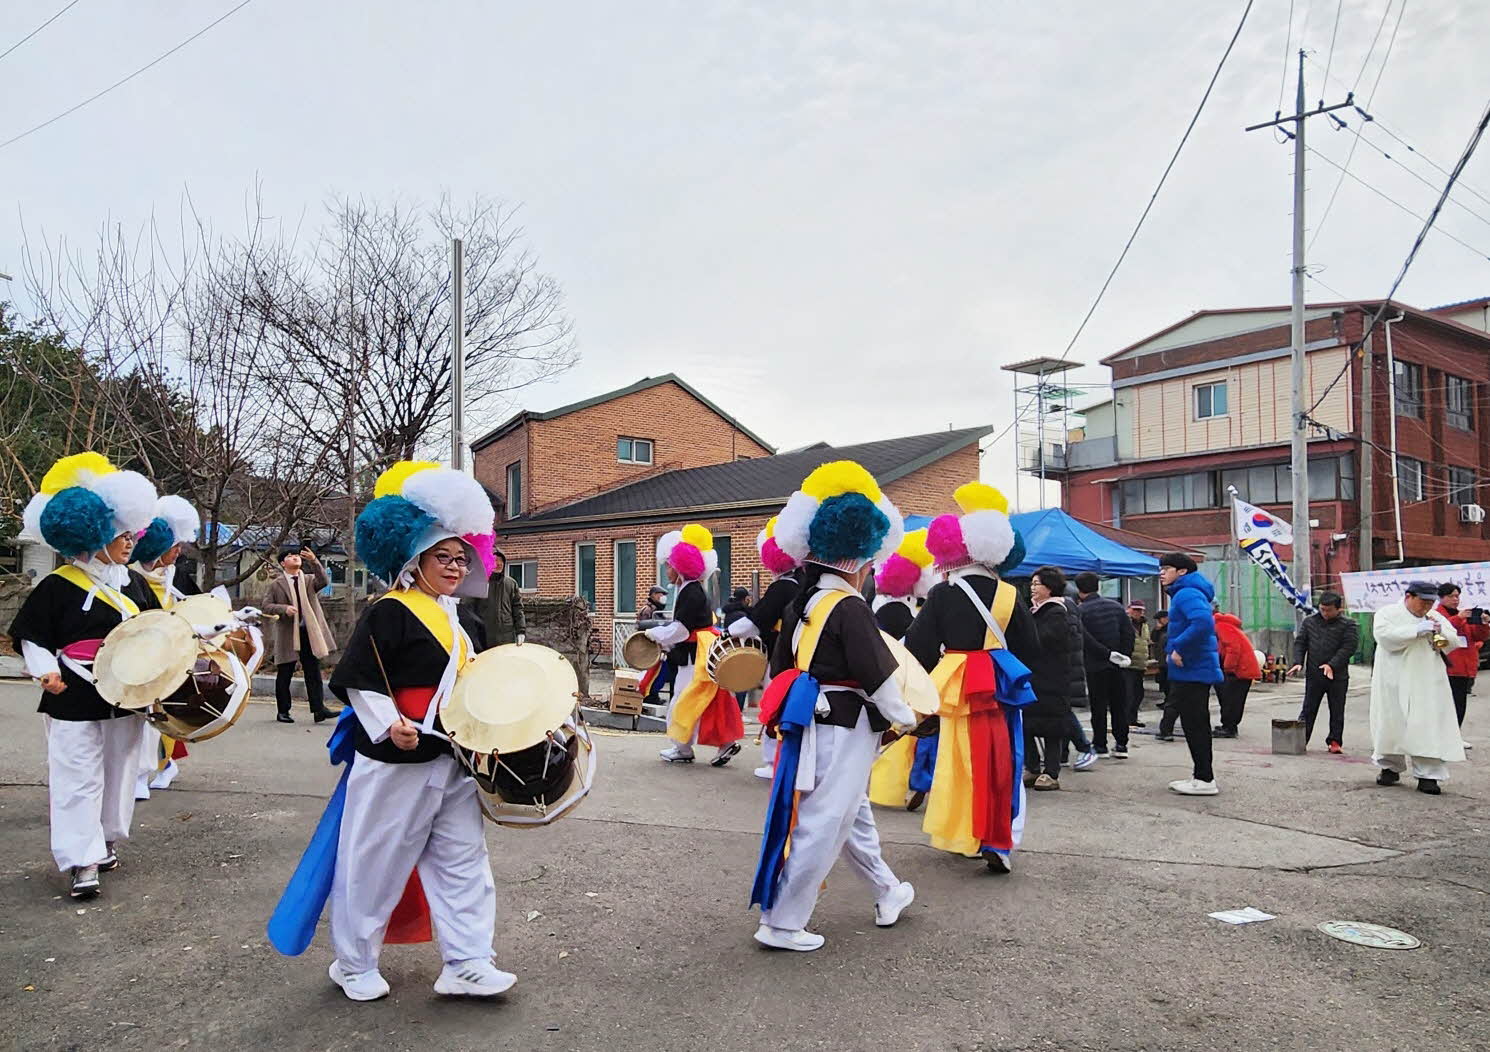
(1377,936)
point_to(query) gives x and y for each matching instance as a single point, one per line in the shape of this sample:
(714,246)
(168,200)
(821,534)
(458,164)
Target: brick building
(585,491)
(1205,404)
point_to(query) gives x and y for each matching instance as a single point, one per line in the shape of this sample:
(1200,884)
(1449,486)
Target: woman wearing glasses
(411,847)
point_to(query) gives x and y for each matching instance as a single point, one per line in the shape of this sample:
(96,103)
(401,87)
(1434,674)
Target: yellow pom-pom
(839,477)
(770,527)
(75,470)
(698,536)
(391,482)
(914,548)
(980,496)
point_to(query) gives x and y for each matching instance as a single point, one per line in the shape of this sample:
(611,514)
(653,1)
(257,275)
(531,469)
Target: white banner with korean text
(1373,589)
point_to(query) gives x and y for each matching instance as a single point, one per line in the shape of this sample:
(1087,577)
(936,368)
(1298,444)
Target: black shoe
(1388,777)
(917,798)
(1137,723)
(324,714)
(1429,786)
(1222,732)
(1100,750)
(996,863)
(1161,737)
(110,861)
(284,717)
(726,754)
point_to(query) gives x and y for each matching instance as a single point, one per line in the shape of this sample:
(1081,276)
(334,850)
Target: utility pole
(1368,460)
(457,355)
(1300,452)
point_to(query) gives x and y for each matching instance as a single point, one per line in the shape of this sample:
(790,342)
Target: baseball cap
(1423,589)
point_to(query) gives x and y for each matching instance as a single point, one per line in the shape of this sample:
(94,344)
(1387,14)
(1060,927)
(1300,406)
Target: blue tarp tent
(1053,538)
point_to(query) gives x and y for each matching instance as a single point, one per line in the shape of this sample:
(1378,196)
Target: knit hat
(689,551)
(981,536)
(416,505)
(839,519)
(773,558)
(907,573)
(175,522)
(85,503)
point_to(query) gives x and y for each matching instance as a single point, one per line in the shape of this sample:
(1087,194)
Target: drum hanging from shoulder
(213,697)
(215,620)
(737,665)
(538,785)
(641,651)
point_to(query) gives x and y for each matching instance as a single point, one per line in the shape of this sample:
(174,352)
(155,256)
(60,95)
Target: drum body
(212,698)
(641,651)
(737,665)
(538,785)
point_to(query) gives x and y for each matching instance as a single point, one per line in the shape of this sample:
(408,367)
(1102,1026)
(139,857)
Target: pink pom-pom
(774,559)
(687,560)
(485,545)
(898,577)
(944,540)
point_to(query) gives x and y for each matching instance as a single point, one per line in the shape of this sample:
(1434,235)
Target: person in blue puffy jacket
(1193,664)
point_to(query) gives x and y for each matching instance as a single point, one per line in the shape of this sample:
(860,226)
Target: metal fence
(620,628)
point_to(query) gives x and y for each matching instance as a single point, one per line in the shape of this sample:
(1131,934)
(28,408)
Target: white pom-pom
(924,585)
(989,536)
(180,516)
(454,498)
(130,496)
(895,534)
(666,543)
(711,563)
(760,540)
(31,518)
(794,523)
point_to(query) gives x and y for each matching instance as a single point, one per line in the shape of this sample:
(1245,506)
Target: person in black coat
(1049,717)
(1109,648)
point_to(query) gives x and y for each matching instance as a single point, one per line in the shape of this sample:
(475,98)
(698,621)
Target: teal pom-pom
(1016,555)
(847,527)
(77,522)
(386,532)
(156,541)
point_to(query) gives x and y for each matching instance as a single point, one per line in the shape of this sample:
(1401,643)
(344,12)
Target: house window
(1188,492)
(1458,405)
(722,549)
(1461,486)
(1210,400)
(1408,379)
(1410,481)
(634,450)
(584,573)
(1332,478)
(514,490)
(625,555)
(525,573)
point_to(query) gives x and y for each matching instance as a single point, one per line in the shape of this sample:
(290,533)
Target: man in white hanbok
(1412,707)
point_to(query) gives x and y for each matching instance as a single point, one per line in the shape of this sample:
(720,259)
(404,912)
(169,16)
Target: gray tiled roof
(741,483)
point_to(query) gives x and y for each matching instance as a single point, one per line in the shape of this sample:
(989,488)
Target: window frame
(1460,418)
(520,564)
(1410,403)
(1210,386)
(514,507)
(593,599)
(625,602)
(632,457)
(1414,469)
(1467,485)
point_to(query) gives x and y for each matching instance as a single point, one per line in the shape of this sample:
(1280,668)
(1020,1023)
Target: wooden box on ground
(626,693)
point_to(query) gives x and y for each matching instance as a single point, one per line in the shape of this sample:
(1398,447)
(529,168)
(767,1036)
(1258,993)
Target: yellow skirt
(949,808)
(890,777)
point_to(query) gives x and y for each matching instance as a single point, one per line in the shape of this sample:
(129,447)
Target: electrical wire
(1424,180)
(39,28)
(1287,54)
(1334,33)
(1167,169)
(125,80)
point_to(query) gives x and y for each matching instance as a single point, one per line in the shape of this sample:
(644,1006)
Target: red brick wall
(929,490)
(489,465)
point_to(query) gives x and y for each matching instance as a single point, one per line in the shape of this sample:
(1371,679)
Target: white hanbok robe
(1412,709)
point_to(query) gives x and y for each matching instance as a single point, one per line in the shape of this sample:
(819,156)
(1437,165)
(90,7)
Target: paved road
(641,938)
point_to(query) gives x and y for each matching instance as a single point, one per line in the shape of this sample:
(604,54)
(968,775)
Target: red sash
(992,755)
(413,702)
(410,920)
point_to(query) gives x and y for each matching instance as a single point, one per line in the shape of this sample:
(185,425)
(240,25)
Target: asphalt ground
(628,928)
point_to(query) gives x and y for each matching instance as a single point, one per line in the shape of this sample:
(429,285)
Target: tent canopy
(1053,538)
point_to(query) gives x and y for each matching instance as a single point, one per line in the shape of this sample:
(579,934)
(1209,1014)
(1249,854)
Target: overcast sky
(836,219)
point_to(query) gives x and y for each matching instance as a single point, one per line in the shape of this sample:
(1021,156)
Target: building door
(584,573)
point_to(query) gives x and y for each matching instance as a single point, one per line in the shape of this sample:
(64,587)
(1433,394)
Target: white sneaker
(1193,787)
(364,986)
(84,882)
(888,909)
(766,773)
(676,754)
(1467,745)
(164,779)
(725,754)
(777,939)
(142,788)
(1086,761)
(478,978)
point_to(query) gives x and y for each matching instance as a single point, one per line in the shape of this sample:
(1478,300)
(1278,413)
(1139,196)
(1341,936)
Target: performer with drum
(89,512)
(971,635)
(411,833)
(903,772)
(833,695)
(700,710)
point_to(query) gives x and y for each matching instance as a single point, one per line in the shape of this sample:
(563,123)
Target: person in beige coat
(301,633)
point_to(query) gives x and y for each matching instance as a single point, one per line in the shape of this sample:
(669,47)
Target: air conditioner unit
(1471,513)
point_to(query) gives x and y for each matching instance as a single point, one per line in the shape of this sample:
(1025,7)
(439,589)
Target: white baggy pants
(833,818)
(1422,766)
(399,815)
(91,770)
(683,677)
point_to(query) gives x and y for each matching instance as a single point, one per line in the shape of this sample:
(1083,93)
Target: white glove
(1427,627)
(521,638)
(1120,660)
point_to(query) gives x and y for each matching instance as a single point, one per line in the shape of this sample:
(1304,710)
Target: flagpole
(1234,586)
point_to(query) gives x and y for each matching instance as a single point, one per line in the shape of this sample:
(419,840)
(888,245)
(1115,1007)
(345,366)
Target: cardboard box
(626,693)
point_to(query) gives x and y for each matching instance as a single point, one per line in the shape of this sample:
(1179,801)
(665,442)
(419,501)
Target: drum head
(509,698)
(915,683)
(143,659)
(640,650)
(738,667)
(203,610)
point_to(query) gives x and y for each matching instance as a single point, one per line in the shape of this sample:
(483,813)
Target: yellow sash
(949,808)
(432,616)
(115,598)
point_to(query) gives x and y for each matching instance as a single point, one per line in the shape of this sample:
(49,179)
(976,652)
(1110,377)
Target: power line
(39,28)
(1330,59)
(1167,169)
(1287,54)
(125,80)
(1375,122)
(1425,181)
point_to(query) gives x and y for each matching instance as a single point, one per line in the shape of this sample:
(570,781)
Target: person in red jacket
(1239,663)
(1463,663)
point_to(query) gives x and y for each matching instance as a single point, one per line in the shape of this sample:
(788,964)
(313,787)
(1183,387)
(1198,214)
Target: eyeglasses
(460,562)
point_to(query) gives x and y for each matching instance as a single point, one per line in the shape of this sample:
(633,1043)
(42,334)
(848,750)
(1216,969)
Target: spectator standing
(1464,663)
(652,614)
(1086,756)
(655,608)
(1135,672)
(502,609)
(1322,649)
(1156,654)
(1108,634)
(1194,664)
(1239,669)
(1049,717)
(301,632)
